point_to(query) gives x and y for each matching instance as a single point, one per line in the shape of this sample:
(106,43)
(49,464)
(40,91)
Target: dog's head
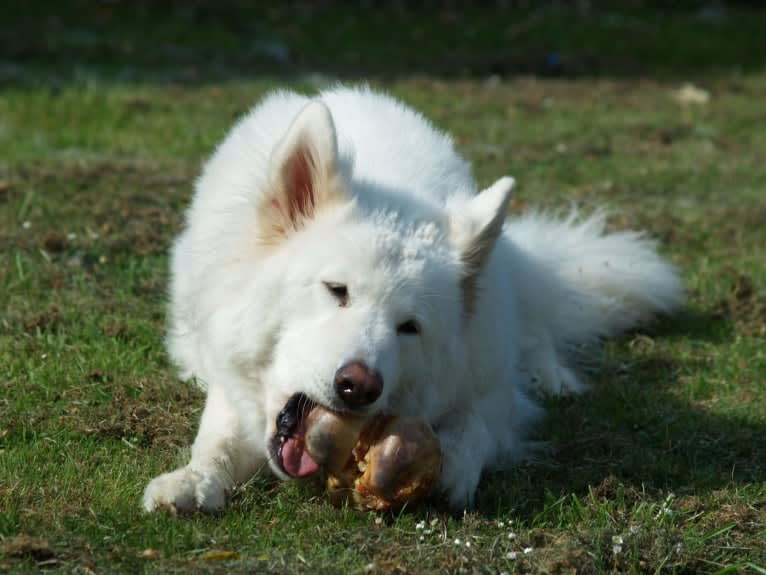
(374,287)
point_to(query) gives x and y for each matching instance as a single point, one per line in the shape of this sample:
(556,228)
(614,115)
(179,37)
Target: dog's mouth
(288,446)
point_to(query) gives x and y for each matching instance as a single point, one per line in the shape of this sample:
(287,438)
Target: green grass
(661,468)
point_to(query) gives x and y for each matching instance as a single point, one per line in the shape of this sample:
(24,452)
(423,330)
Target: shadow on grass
(212,41)
(694,324)
(643,429)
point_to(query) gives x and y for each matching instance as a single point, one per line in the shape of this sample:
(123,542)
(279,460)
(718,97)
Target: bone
(380,463)
(330,436)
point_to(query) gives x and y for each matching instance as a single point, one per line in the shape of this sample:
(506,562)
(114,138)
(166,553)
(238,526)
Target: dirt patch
(564,554)
(611,488)
(55,242)
(140,230)
(149,413)
(47,321)
(32,322)
(745,306)
(6,188)
(24,546)
(112,207)
(115,329)
(745,519)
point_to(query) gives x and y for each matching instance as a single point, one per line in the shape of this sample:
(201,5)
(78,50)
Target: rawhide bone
(380,463)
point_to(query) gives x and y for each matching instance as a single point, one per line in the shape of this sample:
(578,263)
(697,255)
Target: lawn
(107,111)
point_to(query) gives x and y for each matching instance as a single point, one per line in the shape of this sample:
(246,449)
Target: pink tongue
(296,460)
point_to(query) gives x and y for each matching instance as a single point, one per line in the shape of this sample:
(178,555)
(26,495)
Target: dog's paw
(458,484)
(565,382)
(185,490)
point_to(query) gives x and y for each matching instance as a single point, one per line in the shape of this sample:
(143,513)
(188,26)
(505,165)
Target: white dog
(337,251)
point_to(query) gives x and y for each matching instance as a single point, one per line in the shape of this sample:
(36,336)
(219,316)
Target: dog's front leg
(467,445)
(489,433)
(226,452)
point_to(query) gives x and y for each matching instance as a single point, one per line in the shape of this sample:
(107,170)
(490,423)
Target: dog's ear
(304,173)
(474,231)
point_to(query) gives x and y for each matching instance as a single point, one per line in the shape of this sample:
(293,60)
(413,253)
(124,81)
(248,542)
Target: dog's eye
(339,292)
(409,327)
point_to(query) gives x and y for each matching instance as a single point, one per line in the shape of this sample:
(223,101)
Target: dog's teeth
(362,466)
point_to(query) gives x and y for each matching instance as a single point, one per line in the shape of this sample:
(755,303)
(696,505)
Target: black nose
(357,385)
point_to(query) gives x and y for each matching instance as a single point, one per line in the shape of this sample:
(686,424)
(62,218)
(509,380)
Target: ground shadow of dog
(645,426)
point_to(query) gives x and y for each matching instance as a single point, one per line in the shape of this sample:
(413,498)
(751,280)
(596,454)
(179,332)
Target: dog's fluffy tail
(582,284)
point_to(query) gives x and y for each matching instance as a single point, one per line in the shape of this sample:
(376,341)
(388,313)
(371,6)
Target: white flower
(511,535)
(501,524)
(691,95)
(528,550)
(511,555)
(665,507)
(26,224)
(616,549)
(458,542)
(378,520)
(467,543)
(71,237)
(420,525)
(617,539)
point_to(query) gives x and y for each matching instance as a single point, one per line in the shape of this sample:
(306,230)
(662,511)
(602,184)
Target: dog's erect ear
(304,173)
(475,230)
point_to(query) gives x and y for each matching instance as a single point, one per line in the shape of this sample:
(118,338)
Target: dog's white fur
(353,187)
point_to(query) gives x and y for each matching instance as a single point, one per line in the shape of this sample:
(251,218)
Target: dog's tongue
(296,460)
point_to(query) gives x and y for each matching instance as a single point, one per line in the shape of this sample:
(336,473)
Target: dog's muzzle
(288,445)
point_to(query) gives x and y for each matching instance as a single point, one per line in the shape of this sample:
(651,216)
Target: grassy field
(106,112)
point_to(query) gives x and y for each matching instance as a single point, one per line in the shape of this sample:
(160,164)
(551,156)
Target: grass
(661,468)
